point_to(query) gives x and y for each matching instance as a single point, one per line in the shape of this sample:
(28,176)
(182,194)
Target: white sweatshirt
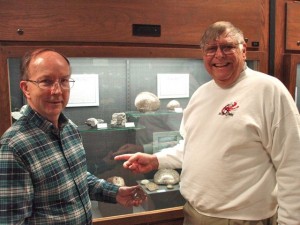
(240,145)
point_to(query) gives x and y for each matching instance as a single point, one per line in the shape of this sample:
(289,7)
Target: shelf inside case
(86,128)
(137,114)
(162,188)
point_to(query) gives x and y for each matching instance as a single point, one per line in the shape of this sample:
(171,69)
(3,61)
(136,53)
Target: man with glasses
(240,156)
(43,171)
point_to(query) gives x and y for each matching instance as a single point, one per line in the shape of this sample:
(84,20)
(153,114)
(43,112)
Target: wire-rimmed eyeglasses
(226,49)
(47,84)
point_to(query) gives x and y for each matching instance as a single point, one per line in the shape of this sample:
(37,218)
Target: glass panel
(297,91)
(16,96)
(120,81)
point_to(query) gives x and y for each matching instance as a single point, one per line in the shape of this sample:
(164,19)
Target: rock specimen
(172,105)
(147,102)
(118,119)
(166,176)
(119,181)
(151,186)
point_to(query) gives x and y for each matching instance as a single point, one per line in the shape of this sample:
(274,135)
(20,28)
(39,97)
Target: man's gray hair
(214,31)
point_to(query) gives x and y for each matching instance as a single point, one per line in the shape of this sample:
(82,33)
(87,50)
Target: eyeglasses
(47,84)
(226,49)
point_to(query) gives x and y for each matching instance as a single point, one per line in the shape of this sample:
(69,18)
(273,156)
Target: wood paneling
(292,41)
(182,22)
(279,37)
(5,114)
(287,30)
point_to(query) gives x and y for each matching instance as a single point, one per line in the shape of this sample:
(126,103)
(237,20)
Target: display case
(118,83)
(292,76)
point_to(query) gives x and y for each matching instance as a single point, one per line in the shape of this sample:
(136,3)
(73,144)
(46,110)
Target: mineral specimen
(119,181)
(92,122)
(145,181)
(118,119)
(151,186)
(166,176)
(170,186)
(173,104)
(147,102)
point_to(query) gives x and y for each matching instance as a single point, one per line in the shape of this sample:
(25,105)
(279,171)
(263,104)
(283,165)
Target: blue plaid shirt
(43,174)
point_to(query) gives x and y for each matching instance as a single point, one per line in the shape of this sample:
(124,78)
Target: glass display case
(291,76)
(105,86)
(118,82)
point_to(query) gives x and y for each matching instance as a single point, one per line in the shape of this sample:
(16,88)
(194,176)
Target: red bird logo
(228,109)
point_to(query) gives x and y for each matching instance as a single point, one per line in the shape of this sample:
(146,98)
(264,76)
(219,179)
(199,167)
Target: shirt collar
(44,124)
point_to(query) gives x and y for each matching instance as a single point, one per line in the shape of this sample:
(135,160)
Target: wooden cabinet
(292,41)
(181,22)
(287,42)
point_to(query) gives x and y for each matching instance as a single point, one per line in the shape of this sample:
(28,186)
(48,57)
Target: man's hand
(139,162)
(131,196)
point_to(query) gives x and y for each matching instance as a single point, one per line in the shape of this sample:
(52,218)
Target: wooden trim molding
(170,216)
(5,113)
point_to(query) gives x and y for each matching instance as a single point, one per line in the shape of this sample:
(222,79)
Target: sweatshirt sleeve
(285,155)
(284,150)
(171,157)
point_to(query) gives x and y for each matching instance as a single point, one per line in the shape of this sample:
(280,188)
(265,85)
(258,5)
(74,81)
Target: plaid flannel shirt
(43,174)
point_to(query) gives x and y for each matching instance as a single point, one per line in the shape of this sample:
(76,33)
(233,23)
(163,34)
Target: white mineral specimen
(118,119)
(147,102)
(145,181)
(119,181)
(92,122)
(151,186)
(166,176)
(173,104)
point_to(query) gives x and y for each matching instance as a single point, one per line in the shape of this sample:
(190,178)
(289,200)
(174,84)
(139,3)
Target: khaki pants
(192,217)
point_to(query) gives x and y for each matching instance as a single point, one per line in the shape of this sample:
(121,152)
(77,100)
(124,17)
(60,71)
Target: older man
(240,157)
